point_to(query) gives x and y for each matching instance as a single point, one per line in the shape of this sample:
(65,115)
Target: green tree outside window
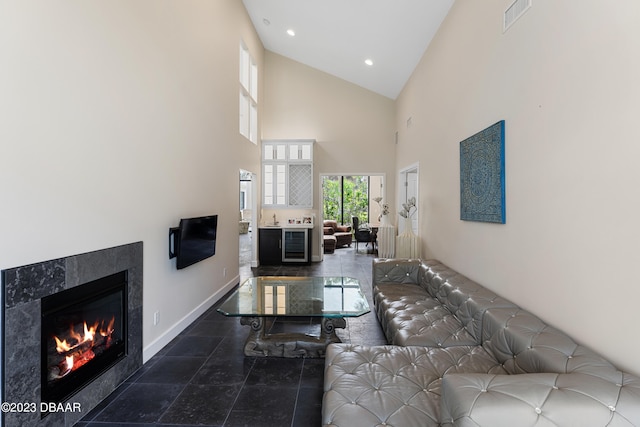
(346,197)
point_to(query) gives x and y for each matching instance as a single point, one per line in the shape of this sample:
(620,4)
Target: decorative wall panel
(482,182)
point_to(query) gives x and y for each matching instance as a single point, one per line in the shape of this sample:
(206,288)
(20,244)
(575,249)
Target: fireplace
(55,299)
(83,334)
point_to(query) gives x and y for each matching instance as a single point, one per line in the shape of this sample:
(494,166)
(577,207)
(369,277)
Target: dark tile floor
(202,377)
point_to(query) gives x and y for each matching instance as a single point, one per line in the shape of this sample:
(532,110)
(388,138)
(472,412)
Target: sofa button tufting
(538,411)
(612,408)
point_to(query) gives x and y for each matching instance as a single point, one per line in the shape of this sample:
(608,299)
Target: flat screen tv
(194,240)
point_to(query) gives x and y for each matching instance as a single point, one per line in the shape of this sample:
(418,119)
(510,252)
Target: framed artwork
(482,186)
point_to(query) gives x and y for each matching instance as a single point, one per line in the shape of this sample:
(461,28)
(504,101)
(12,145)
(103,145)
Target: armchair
(362,235)
(341,233)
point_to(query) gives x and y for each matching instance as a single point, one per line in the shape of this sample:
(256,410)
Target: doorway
(344,196)
(247,220)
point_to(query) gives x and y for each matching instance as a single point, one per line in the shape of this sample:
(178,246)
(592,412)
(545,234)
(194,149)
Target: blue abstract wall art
(482,189)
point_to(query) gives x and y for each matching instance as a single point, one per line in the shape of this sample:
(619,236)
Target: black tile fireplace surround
(23,289)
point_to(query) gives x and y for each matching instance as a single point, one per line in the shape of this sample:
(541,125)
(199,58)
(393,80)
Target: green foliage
(353,191)
(332,199)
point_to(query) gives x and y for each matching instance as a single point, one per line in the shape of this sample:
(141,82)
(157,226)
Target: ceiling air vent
(515,11)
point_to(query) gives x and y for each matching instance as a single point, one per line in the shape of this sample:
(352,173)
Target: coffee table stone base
(262,344)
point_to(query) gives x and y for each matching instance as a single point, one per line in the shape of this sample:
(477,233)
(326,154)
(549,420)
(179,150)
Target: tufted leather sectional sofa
(459,355)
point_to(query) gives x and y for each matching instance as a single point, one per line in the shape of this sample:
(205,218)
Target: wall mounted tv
(193,241)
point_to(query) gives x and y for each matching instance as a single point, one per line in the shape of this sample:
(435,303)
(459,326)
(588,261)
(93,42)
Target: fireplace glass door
(83,334)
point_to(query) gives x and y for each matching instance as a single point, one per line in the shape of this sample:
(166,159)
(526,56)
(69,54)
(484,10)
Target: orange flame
(84,353)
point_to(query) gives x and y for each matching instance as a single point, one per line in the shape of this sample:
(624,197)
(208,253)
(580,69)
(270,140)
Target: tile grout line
(295,405)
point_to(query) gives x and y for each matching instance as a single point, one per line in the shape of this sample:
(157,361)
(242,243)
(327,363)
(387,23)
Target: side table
(407,244)
(386,241)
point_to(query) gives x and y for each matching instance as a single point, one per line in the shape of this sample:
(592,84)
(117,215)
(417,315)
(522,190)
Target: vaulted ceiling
(338,36)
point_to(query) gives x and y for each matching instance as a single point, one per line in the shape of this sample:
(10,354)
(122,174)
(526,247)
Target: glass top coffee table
(331,299)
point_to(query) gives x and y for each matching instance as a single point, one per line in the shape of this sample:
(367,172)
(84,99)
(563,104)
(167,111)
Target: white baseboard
(149,351)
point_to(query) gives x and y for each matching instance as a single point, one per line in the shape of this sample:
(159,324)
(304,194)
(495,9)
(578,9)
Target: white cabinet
(287,173)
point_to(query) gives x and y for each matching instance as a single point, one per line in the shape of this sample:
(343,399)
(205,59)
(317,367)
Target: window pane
(332,198)
(248,118)
(244,114)
(306,151)
(253,123)
(268,184)
(267,152)
(345,197)
(281,152)
(280,184)
(244,67)
(254,81)
(293,152)
(356,198)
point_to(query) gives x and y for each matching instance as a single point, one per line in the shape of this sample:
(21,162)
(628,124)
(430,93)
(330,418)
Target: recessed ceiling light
(291,32)
(369,62)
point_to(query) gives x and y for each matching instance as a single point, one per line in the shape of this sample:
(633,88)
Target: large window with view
(345,197)
(248,95)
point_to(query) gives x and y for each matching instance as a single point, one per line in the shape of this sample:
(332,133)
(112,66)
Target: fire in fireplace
(83,333)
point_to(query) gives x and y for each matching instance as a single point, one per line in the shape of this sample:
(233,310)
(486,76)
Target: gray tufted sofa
(460,355)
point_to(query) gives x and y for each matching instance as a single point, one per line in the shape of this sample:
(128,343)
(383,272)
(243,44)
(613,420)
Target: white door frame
(253,223)
(321,198)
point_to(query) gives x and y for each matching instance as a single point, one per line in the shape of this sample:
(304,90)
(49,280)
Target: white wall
(117,119)
(565,79)
(353,127)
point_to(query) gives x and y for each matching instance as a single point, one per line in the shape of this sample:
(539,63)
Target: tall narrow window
(248,95)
